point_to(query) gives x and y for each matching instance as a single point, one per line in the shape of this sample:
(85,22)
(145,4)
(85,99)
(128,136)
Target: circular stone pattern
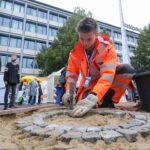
(119,124)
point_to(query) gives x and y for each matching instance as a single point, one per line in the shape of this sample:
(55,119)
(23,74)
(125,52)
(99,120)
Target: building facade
(26,26)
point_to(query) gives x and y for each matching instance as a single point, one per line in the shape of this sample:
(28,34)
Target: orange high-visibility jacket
(102,66)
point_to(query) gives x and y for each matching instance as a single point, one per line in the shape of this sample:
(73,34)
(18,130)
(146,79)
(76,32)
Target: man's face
(87,39)
(13,58)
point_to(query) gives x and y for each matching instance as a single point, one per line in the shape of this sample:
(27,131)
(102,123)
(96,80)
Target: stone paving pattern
(139,124)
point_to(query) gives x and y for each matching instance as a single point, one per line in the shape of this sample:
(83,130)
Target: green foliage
(54,58)
(141,58)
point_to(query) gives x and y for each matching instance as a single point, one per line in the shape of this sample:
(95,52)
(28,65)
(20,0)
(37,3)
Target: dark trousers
(32,100)
(39,99)
(10,88)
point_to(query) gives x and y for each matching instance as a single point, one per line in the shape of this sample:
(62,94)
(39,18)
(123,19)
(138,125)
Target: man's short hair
(87,25)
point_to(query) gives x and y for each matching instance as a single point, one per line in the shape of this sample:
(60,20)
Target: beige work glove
(66,98)
(84,105)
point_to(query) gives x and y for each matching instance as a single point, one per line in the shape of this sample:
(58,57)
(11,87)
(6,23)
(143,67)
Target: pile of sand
(13,139)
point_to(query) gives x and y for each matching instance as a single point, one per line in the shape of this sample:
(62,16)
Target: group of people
(93,63)
(12,79)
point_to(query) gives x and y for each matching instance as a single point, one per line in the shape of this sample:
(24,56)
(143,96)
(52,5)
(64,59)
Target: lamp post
(125,49)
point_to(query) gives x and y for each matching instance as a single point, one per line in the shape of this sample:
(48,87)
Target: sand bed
(13,139)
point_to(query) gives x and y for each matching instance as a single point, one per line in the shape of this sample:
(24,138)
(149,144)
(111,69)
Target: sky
(135,12)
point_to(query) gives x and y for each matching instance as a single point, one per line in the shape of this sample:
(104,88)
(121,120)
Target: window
(119,58)
(15,42)
(40,45)
(117,35)
(31,27)
(27,62)
(18,59)
(41,29)
(62,19)
(29,44)
(42,14)
(131,48)
(101,29)
(130,38)
(32,11)
(53,17)
(4,21)
(35,64)
(3,59)
(18,8)
(53,32)
(3,40)
(17,24)
(49,44)
(5,4)
(118,46)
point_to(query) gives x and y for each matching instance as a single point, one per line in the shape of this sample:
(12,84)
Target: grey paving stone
(136,122)
(70,135)
(141,117)
(104,113)
(136,128)
(94,129)
(80,129)
(52,126)
(55,133)
(126,126)
(34,119)
(119,113)
(146,126)
(50,114)
(110,136)
(23,125)
(64,127)
(109,127)
(91,136)
(30,128)
(39,131)
(130,135)
(39,122)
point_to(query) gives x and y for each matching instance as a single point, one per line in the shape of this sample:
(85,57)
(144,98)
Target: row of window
(31,27)
(16,42)
(20,8)
(117,35)
(27,62)
(118,46)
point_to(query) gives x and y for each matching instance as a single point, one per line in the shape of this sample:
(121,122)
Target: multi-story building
(26,26)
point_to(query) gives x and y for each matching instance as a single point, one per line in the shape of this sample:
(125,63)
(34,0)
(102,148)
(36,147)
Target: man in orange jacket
(102,79)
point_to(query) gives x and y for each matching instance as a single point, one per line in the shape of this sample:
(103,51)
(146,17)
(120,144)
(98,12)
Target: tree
(54,58)
(141,58)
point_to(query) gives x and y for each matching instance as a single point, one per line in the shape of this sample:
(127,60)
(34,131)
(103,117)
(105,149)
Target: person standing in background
(11,79)
(33,85)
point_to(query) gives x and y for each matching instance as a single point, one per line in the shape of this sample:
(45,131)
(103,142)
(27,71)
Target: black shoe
(5,108)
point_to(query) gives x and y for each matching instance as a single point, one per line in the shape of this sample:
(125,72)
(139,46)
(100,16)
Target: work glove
(84,105)
(66,98)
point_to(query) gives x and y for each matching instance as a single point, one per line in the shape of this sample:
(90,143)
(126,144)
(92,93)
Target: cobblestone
(141,117)
(91,136)
(70,135)
(94,129)
(110,136)
(130,135)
